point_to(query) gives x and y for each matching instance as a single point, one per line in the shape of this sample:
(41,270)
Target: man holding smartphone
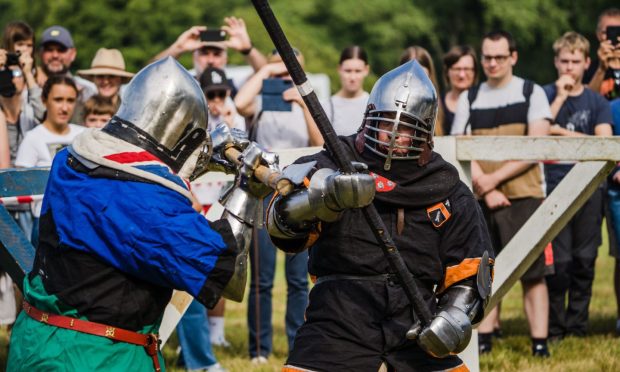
(601,71)
(212,53)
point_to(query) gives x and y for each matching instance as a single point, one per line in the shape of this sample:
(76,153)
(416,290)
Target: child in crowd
(98,110)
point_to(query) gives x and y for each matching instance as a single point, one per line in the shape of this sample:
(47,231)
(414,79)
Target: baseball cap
(214,45)
(57,34)
(213,79)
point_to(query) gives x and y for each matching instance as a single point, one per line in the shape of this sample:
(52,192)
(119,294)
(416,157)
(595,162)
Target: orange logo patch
(439,213)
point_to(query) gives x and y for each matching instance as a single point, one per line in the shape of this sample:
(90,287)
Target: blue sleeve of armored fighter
(143,229)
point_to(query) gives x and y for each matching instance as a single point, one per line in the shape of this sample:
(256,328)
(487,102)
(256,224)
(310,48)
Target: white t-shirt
(40,145)
(510,93)
(346,114)
(281,129)
(39,148)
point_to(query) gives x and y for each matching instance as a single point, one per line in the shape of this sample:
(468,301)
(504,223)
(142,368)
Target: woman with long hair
(21,107)
(460,71)
(41,144)
(346,108)
(18,39)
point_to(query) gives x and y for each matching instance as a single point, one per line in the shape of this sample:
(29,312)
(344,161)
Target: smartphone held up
(612,33)
(271,94)
(216,35)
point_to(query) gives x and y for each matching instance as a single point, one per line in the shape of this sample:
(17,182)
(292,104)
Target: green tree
(320,28)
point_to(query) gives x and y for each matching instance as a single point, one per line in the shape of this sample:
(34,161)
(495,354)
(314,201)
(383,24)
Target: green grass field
(600,351)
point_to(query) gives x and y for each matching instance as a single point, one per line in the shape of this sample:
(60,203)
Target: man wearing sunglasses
(510,191)
(215,85)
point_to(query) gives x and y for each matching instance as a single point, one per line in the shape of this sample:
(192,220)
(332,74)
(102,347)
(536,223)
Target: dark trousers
(263,265)
(355,325)
(574,253)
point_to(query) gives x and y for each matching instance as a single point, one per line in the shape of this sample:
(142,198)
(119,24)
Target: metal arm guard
(327,196)
(243,209)
(459,306)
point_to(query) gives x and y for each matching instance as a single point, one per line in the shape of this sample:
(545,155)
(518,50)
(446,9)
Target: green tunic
(36,346)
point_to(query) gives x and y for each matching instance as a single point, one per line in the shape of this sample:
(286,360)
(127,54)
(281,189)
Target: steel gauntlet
(327,196)
(450,330)
(459,306)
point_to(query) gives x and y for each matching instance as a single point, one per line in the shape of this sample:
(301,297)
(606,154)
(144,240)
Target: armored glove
(223,138)
(448,333)
(251,159)
(459,306)
(331,192)
(328,195)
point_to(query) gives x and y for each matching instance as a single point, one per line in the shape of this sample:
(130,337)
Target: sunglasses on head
(216,94)
(296,51)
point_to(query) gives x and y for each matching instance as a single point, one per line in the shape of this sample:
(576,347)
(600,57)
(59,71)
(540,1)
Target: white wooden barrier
(598,156)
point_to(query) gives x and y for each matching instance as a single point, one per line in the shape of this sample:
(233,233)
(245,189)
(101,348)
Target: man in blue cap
(57,53)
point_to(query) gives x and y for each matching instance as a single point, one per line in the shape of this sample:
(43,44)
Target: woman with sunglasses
(222,109)
(18,108)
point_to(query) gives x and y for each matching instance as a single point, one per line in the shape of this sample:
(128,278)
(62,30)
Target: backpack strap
(472,93)
(528,88)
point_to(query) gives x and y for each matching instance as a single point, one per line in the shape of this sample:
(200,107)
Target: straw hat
(107,62)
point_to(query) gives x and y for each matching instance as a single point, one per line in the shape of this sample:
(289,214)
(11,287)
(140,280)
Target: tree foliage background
(320,28)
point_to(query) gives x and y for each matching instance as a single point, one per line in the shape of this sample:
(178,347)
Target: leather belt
(150,342)
(390,278)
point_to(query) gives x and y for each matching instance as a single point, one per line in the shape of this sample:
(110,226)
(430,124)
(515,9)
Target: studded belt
(150,342)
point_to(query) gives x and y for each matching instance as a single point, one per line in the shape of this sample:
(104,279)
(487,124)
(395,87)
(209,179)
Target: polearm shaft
(341,157)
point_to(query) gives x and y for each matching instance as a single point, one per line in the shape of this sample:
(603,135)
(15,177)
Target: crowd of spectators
(43,106)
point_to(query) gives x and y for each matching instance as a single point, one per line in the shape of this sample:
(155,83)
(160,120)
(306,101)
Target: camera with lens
(12,59)
(7,88)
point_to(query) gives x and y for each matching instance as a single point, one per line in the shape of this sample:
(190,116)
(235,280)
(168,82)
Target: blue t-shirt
(579,114)
(615,114)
